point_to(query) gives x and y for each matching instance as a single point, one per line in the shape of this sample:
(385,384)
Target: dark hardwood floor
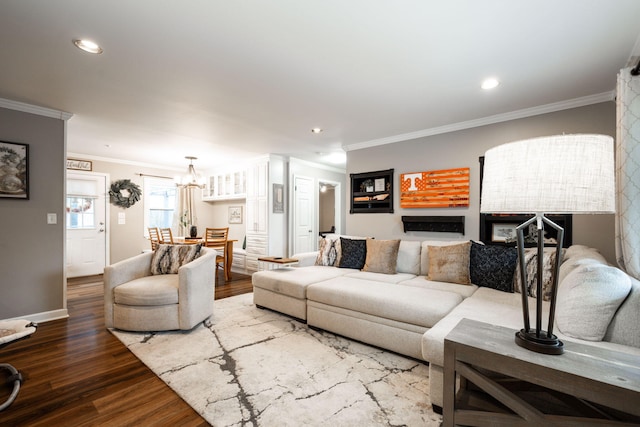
(77,374)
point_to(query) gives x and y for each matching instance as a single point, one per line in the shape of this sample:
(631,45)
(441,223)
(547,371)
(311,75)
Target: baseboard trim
(45,316)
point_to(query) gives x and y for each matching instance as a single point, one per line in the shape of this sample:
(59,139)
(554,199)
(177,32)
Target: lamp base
(539,343)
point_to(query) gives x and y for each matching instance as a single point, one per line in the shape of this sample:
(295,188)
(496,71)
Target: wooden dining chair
(154,237)
(216,238)
(166,235)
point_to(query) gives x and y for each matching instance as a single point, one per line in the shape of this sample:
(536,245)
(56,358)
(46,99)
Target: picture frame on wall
(80,165)
(235,214)
(14,170)
(503,232)
(278,198)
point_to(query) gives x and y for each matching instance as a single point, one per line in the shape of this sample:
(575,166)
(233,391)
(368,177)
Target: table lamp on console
(563,174)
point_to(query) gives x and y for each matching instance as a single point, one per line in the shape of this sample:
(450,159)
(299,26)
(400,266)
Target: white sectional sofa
(411,310)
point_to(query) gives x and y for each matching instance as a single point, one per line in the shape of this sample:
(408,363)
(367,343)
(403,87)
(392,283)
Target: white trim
(318,165)
(34,109)
(81,156)
(498,118)
(45,316)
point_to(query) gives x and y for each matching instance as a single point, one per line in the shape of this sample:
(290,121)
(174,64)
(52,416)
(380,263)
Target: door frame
(107,220)
(337,188)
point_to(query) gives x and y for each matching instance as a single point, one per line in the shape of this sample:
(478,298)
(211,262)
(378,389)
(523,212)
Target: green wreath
(129,198)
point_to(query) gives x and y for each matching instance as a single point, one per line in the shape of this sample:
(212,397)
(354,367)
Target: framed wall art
(235,214)
(503,232)
(278,198)
(79,165)
(447,188)
(14,170)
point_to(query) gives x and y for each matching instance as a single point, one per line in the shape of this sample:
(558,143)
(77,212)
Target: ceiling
(224,80)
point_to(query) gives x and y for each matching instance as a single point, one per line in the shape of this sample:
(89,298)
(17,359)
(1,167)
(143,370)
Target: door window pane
(80,212)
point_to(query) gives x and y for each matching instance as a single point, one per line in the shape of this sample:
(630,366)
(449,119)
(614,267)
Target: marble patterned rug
(248,366)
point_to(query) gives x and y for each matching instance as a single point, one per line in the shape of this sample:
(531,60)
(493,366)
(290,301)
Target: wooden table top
(278,260)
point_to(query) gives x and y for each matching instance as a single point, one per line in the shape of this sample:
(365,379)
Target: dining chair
(216,238)
(154,237)
(167,236)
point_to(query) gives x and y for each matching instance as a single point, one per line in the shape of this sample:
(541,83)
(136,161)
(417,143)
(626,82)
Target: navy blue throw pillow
(354,253)
(492,266)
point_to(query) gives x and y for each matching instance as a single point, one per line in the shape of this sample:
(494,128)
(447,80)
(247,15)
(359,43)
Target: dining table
(228,256)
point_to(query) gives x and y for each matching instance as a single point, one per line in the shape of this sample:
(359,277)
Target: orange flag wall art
(447,188)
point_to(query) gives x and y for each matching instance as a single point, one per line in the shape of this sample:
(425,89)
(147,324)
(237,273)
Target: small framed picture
(278,198)
(503,232)
(14,170)
(235,214)
(79,165)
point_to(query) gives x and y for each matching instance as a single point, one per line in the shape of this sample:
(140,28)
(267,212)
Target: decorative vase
(193,231)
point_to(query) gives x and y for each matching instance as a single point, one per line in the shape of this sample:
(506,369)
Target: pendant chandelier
(191,179)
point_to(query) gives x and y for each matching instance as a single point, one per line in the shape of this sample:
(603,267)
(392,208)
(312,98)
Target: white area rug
(256,367)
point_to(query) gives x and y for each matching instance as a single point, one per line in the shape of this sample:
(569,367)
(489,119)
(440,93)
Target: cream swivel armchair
(135,299)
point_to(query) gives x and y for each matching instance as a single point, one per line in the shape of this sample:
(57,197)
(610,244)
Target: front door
(86,223)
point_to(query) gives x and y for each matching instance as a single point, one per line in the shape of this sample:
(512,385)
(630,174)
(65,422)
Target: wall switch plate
(121,218)
(52,218)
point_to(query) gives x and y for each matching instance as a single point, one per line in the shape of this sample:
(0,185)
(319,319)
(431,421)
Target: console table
(504,384)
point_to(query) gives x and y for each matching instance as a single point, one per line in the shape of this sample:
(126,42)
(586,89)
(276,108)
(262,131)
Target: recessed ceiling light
(490,83)
(88,46)
(316,130)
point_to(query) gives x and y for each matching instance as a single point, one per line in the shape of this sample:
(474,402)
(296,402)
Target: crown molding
(317,165)
(34,109)
(498,118)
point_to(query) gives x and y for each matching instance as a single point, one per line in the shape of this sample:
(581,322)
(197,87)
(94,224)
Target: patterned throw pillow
(167,259)
(382,256)
(531,264)
(492,266)
(329,252)
(354,253)
(449,263)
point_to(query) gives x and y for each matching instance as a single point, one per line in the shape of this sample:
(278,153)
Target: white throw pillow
(409,257)
(588,298)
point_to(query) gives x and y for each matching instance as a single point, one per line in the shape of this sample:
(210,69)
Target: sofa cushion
(167,259)
(148,291)
(485,305)
(423,307)
(588,298)
(421,282)
(531,263)
(379,277)
(353,253)
(409,257)
(492,266)
(293,282)
(449,263)
(328,252)
(424,252)
(576,255)
(382,256)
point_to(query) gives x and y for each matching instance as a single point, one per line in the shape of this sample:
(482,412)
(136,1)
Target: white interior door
(304,215)
(86,223)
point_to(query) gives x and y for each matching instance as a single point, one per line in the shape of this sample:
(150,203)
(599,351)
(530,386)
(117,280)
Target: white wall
(462,149)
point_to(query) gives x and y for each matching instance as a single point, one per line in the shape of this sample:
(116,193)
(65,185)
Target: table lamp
(563,174)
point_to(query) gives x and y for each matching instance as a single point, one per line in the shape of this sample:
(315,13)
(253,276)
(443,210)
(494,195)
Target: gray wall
(462,149)
(32,257)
